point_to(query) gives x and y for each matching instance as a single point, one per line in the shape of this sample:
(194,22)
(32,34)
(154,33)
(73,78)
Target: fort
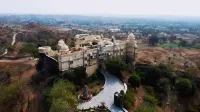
(89,50)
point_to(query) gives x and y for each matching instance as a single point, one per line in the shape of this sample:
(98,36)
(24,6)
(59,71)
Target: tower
(131,46)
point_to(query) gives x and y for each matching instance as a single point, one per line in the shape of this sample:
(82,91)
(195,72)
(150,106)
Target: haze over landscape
(102,7)
(99,55)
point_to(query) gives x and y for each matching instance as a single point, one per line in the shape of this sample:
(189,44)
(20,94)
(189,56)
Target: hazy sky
(101,7)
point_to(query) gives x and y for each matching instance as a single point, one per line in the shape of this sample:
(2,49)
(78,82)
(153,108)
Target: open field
(176,57)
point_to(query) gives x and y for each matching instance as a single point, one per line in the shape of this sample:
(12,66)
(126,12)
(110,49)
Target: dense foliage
(134,80)
(151,74)
(129,99)
(163,85)
(30,48)
(10,94)
(78,76)
(153,40)
(62,97)
(184,86)
(146,108)
(115,66)
(151,100)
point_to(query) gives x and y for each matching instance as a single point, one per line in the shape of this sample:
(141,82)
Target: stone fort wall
(91,56)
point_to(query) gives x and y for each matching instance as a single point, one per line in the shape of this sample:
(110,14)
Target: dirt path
(139,99)
(31,94)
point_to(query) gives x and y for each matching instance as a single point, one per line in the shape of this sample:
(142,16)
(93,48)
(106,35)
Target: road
(13,42)
(14,39)
(21,60)
(112,85)
(6,51)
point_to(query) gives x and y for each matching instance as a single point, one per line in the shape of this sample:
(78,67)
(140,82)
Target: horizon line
(109,15)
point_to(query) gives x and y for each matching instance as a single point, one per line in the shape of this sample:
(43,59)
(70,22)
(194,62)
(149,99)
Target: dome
(62,46)
(131,37)
(77,36)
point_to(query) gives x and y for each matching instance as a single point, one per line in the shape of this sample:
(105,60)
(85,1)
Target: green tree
(184,86)
(162,85)
(150,76)
(183,43)
(146,108)
(135,81)
(30,48)
(151,100)
(129,99)
(62,97)
(115,66)
(153,40)
(10,95)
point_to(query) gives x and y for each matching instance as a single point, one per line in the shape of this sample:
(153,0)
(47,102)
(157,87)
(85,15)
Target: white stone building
(90,50)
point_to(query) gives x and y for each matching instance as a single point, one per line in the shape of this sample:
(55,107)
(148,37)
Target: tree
(62,97)
(162,85)
(129,99)
(146,108)
(153,40)
(115,66)
(10,95)
(184,87)
(135,81)
(172,38)
(150,75)
(183,43)
(149,99)
(30,48)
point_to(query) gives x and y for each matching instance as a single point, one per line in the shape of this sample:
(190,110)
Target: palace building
(89,50)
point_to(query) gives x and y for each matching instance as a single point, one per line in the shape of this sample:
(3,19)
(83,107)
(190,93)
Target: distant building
(114,30)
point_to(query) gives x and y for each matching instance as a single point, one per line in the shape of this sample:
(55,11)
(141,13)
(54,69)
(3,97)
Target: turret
(62,47)
(131,46)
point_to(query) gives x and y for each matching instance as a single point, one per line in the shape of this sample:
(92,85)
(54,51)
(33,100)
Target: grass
(176,46)
(169,45)
(173,46)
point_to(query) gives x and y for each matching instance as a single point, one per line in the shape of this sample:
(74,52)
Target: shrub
(151,74)
(62,97)
(94,93)
(149,90)
(78,76)
(146,108)
(193,71)
(115,66)
(97,75)
(162,85)
(151,100)
(184,86)
(30,48)
(135,81)
(129,99)
(10,94)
